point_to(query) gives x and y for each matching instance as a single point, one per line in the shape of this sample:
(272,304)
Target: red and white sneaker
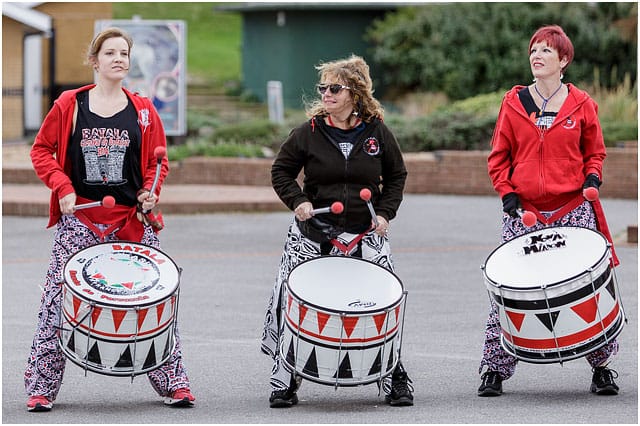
(180,398)
(38,403)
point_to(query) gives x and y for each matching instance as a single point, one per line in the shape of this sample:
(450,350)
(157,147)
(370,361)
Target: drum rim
(603,258)
(403,293)
(174,290)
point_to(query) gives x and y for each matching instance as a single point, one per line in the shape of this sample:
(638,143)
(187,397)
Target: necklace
(546,100)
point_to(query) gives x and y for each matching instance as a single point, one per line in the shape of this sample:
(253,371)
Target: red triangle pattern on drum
(322,320)
(588,309)
(118,316)
(516,318)
(95,314)
(379,320)
(302,312)
(142,314)
(76,306)
(397,312)
(289,300)
(159,311)
(349,323)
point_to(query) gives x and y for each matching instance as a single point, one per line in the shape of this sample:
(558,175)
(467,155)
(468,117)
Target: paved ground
(229,263)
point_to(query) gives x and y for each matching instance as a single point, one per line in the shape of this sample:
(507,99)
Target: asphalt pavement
(229,263)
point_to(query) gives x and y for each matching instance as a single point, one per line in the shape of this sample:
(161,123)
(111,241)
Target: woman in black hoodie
(343,148)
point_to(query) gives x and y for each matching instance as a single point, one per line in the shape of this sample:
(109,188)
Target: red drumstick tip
(337,207)
(365,194)
(529,219)
(160,152)
(108,202)
(590,193)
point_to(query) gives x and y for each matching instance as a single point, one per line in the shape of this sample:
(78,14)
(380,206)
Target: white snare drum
(556,292)
(343,320)
(120,302)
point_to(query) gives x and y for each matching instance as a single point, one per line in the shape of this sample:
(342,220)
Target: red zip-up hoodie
(547,168)
(53,139)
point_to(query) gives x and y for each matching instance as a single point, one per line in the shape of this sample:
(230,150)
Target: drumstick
(108,202)
(336,208)
(528,218)
(590,193)
(159,153)
(365,194)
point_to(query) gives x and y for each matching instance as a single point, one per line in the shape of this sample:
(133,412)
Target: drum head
(121,273)
(344,284)
(549,256)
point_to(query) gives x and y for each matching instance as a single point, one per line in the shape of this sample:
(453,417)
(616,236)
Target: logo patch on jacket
(371,146)
(569,123)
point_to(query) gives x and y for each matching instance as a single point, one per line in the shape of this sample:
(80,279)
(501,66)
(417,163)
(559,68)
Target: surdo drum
(556,292)
(343,320)
(120,302)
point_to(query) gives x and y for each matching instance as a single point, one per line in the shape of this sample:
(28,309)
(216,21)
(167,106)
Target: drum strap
(572,204)
(89,224)
(348,247)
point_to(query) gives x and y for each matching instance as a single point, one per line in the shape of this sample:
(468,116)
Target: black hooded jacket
(375,162)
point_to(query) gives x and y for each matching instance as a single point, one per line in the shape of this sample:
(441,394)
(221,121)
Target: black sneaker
(491,384)
(286,397)
(401,390)
(602,382)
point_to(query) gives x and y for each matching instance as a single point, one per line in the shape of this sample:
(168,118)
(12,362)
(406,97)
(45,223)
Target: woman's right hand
(68,203)
(303,211)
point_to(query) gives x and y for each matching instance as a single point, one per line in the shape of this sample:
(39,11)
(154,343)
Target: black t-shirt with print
(105,154)
(543,121)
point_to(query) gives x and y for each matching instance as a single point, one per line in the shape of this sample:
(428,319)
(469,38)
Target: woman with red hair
(547,148)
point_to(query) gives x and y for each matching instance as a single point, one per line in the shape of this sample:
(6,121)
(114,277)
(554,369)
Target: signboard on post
(158,67)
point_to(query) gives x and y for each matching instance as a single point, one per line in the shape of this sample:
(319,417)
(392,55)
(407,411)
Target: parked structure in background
(40,45)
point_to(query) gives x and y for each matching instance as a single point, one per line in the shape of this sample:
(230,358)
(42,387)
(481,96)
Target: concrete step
(33,199)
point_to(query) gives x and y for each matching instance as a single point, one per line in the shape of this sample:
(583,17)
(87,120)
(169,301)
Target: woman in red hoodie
(97,141)
(547,148)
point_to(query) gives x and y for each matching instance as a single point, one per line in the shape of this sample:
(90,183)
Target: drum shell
(338,347)
(120,334)
(562,320)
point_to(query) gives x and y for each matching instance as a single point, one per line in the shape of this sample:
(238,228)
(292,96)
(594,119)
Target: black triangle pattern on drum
(71,344)
(125,360)
(150,361)
(94,354)
(611,289)
(377,364)
(549,319)
(167,347)
(311,367)
(345,370)
(391,359)
(291,356)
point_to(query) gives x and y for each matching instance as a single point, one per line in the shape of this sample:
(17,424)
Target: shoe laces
(401,383)
(604,374)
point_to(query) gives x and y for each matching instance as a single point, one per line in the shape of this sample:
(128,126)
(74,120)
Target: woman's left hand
(383,226)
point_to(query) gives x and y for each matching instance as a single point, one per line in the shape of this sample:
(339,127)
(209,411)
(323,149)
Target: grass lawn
(213,37)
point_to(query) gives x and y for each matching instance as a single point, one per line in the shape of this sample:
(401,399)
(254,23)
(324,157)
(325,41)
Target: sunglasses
(334,88)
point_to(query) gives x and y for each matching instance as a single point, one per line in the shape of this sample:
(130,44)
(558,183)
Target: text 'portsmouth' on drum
(343,320)
(120,302)
(556,293)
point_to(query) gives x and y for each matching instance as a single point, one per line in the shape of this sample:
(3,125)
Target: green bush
(465,49)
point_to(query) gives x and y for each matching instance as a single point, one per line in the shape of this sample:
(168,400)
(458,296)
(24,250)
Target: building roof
(22,12)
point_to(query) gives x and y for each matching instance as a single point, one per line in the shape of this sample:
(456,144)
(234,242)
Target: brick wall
(441,172)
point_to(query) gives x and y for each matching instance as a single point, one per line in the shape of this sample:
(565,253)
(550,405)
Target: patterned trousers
(494,357)
(46,363)
(297,249)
